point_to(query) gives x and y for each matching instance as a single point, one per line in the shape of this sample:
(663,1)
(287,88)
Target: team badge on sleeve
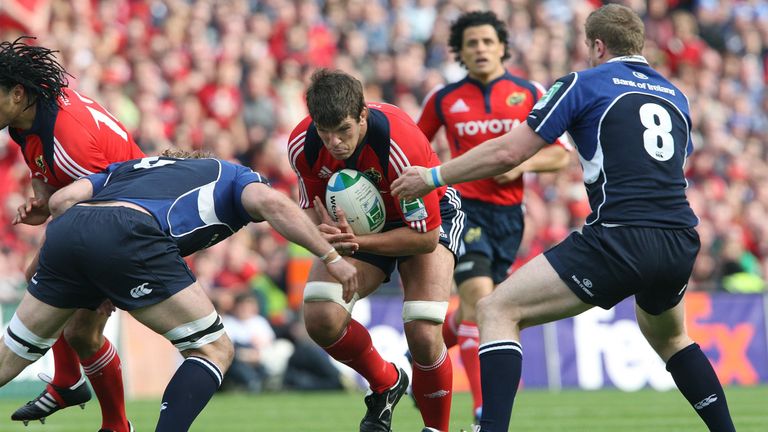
(548,95)
(413,210)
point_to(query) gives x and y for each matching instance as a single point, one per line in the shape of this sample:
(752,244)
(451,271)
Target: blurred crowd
(229,77)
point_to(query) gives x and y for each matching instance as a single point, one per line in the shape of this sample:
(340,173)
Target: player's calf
(209,354)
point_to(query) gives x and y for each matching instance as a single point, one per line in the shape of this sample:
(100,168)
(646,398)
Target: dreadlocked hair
(33,67)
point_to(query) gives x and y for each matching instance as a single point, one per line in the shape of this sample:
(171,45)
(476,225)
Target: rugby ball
(361,201)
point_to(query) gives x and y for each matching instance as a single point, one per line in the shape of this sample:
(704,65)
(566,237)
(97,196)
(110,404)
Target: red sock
(66,364)
(105,374)
(355,349)
(449,329)
(432,390)
(469,340)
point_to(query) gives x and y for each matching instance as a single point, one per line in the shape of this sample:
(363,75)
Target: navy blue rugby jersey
(197,202)
(632,130)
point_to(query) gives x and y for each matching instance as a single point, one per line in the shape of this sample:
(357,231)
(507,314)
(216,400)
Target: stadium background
(228,77)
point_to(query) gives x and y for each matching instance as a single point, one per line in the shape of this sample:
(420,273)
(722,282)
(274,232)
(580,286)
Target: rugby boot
(378,418)
(52,399)
(130,428)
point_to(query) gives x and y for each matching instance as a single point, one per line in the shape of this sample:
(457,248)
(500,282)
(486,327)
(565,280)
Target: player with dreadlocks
(64,136)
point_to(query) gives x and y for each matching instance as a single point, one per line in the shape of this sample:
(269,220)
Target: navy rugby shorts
(94,253)
(450,234)
(603,265)
(494,231)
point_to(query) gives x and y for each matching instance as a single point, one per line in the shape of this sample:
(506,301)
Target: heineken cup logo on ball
(361,201)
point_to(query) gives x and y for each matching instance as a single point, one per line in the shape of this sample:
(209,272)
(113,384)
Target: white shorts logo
(140,290)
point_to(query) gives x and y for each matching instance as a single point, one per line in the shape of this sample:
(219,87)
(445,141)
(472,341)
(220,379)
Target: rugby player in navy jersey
(124,240)
(631,127)
(487,103)
(421,237)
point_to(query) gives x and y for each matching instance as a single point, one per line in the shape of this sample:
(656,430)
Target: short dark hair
(475,19)
(619,27)
(33,67)
(332,96)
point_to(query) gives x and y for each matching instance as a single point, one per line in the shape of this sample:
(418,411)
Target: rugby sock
(469,340)
(698,382)
(449,330)
(355,349)
(105,374)
(432,387)
(501,364)
(66,364)
(190,389)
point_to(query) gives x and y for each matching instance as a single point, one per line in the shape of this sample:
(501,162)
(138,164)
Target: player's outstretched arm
(70,195)
(488,159)
(264,203)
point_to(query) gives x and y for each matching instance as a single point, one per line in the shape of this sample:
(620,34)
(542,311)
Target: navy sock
(501,363)
(698,382)
(190,389)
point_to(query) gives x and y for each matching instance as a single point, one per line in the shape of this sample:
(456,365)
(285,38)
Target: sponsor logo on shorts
(473,234)
(141,290)
(585,285)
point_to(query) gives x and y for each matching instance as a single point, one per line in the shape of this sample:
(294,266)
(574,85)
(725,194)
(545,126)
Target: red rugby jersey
(391,143)
(76,138)
(473,113)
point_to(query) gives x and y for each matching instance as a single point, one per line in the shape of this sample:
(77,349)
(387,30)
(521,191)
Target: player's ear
(364,115)
(18,93)
(602,49)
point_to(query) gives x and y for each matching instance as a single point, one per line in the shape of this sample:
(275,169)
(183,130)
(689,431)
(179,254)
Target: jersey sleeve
(564,140)
(410,147)
(75,150)
(99,180)
(310,185)
(429,121)
(553,113)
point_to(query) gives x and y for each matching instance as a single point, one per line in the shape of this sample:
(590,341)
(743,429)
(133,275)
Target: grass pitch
(535,411)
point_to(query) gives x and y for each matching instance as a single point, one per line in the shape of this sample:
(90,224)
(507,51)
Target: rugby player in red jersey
(64,136)
(487,103)
(379,140)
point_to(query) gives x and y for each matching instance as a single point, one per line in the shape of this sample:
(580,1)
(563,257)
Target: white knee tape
(23,342)
(196,333)
(316,291)
(425,310)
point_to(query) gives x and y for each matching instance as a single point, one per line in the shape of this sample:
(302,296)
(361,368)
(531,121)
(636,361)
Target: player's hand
(33,212)
(346,274)
(412,183)
(338,234)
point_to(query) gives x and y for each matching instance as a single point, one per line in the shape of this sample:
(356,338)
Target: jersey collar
(490,84)
(629,58)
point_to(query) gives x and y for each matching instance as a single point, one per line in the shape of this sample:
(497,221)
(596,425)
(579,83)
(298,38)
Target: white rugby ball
(361,201)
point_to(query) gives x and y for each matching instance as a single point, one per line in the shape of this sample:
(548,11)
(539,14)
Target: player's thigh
(666,331)
(87,322)
(188,305)
(428,276)
(370,270)
(534,294)
(40,318)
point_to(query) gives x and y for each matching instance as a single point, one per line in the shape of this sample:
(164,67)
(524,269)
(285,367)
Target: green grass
(536,411)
